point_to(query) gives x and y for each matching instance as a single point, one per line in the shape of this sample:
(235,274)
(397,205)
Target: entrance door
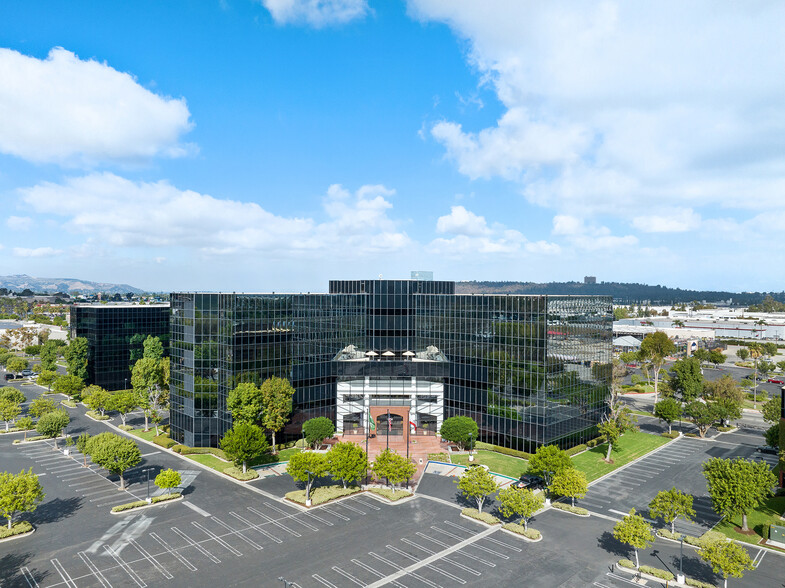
(395,425)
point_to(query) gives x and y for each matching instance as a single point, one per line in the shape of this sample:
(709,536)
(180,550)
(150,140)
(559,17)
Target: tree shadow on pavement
(696,568)
(613,546)
(56,510)
(11,570)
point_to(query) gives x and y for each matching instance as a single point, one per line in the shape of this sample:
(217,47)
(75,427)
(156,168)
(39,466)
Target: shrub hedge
(16,529)
(164,441)
(322,494)
(625,563)
(237,473)
(657,573)
(520,530)
(671,435)
(389,494)
(185,450)
(439,457)
(95,415)
(34,438)
(125,428)
(138,503)
(577,449)
(570,508)
(68,402)
(698,583)
(483,517)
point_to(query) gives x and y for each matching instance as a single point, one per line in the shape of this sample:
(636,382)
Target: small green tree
(47,378)
(153,348)
(671,504)
(771,410)
(634,531)
(114,453)
(687,379)
(702,415)
(52,424)
(743,354)
(276,396)
(49,353)
(19,493)
(25,424)
(609,429)
(168,479)
(76,354)
(548,461)
(347,462)
(123,402)
(82,444)
(71,386)
(737,486)
(726,558)
(519,502)
(771,435)
(150,381)
(317,429)
(16,365)
(40,406)
(96,398)
(12,394)
(459,429)
(655,348)
(570,482)
(725,410)
(9,410)
(306,467)
(477,483)
(395,468)
(244,443)
(668,410)
(244,403)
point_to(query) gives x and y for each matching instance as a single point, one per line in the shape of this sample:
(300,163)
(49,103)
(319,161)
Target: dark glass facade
(529,369)
(114,334)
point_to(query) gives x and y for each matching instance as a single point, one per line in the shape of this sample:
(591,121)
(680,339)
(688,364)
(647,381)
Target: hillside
(622,292)
(20,282)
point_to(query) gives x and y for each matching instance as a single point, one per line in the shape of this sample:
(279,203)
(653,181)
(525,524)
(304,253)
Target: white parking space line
(490,564)
(364,503)
(217,539)
(81,474)
(156,564)
(63,574)
(256,527)
(291,517)
(174,553)
(60,468)
(373,572)
(125,566)
(195,508)
(95,571)
(347,575)
(320,519)
(195,545)
(29,578)
(101,491)
(253,544)
(270,519)
(475,545)
(52,459)
(78,484)
(100,498)
(441,571)
(151,453)
(335,514)
(758,558)
(344,505)
(324,582)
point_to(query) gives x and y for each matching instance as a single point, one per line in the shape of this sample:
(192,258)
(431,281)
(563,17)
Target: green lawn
(497,462)
(631,446)
(768,512)
(210,461)
(146,435)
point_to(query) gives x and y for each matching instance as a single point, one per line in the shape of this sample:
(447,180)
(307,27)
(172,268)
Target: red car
(777,380)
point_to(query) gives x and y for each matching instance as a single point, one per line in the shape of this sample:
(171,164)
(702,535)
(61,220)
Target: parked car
(27,373)
(530,482)
(777,380)
(767,449)
(9,376)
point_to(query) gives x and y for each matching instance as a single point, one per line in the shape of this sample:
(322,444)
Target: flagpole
(367,430)
(388,429)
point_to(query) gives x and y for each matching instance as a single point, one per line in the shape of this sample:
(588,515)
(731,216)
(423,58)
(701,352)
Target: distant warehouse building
(114,334)
(395,356)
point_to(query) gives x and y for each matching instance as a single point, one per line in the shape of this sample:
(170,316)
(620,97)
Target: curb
(19,536)
(136,508)
(522,537)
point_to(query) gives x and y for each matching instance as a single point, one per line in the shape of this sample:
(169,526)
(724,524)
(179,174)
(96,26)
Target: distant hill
(623,293)
(20,282)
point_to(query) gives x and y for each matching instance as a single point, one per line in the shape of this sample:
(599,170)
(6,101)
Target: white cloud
(678,220)
(19,223)
(611,107)
(462,222)
(589,237)
(36,252)
(123,213)
(82,112)
(316,13)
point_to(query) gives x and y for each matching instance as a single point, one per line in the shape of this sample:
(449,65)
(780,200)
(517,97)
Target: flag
(389,422)
(370,421)
(413,425)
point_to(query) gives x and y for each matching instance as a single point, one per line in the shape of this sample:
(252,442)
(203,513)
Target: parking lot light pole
(680,577)
(471,457)
(149,500)
(285,583)
(307,490)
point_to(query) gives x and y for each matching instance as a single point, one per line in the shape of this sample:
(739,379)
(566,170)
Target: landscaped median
(388,494)
(576,510)
(658,574)
(322,494)
(17,531)
(155,500)
(520,530)
(480,517)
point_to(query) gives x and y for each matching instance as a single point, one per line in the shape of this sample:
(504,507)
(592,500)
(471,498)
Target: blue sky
(258,145)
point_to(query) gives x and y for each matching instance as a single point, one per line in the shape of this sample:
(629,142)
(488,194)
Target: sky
(272,145)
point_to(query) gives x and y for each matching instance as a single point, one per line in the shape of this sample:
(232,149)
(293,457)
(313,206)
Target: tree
(395,468)
(726,410)
(276,404)
(769,348)
(71,386)
(570,482)
(548,461)
(153,348)
(668,410)
(772,435)
(52,424)
(687,379)
(716,357)
(726,558)
(702,355)
(519,502)
(771,410)
(40,406)
(655,347)
(12,394)
(724,388)
(609,429)
(9,410)
(737,486)
(635,532)
(743,354)
(347,461)
(76,354)
(459,429)
(243,443)
(244,403)
(46,378)
(25,424)
(123,402)
(114,453)
(478,484)
(756,351)
(168,479)
(306,467)
(702,415)
(97,398)
(19,493)
(16,365)
(671,504)
(82,444)
(49,353)
(317,429)
(149,381)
